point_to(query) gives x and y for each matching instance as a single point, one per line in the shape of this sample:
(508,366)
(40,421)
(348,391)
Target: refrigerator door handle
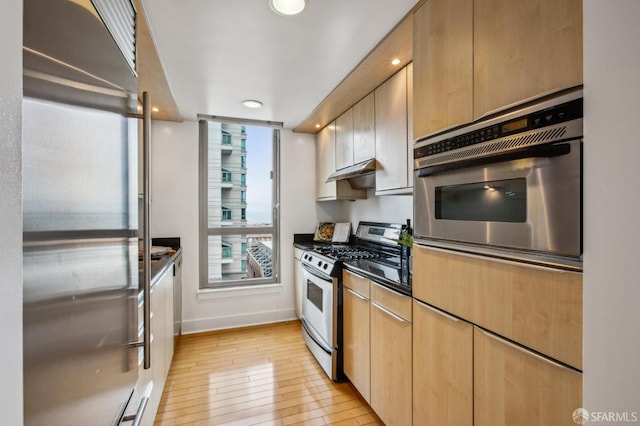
(137,417)
(146,229)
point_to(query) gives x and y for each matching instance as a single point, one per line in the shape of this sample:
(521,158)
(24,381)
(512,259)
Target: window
(227,249)
(226,213)
(226,176)
(242,216)
(226,138)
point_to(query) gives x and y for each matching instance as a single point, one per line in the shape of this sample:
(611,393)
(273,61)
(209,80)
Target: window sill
(240,291)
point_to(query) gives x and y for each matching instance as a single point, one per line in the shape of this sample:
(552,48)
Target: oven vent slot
(503,145)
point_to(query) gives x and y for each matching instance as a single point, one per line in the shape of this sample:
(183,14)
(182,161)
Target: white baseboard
(234,321)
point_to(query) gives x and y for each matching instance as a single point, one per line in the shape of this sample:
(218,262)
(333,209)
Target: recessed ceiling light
(395,61)
(155,109)
(252,104)
(317,126)
(287,7)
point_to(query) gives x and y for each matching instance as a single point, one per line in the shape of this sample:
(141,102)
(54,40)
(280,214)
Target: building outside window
(243,215)
(226,138)
(226,176)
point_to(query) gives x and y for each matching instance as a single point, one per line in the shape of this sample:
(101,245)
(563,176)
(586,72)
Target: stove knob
(319,264)
(326,265)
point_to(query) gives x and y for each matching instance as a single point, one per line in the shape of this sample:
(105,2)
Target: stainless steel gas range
(373,252)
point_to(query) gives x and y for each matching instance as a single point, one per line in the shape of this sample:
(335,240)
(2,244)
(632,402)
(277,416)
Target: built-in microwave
(509,185)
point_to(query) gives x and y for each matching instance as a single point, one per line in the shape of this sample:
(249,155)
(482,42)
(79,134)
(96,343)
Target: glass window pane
(239,194)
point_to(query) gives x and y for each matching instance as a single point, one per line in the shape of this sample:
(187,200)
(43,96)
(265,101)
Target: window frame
(242,228)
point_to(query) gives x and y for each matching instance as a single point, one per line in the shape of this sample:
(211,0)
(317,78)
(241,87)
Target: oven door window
(314,295)
(492,201)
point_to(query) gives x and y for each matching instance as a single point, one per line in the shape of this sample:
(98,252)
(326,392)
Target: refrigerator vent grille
(120,18)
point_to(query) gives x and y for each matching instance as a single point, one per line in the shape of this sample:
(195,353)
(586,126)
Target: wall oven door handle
(539,151)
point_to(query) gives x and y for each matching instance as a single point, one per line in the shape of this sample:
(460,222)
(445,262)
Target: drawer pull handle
(356,294)
(528,352)
(391,314)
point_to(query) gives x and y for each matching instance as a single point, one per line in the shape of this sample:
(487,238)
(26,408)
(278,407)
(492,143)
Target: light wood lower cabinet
(391,354)
(537,307)
(442,368)
(356,342)
(514,386)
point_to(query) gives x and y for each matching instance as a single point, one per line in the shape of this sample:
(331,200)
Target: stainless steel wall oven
(509,185)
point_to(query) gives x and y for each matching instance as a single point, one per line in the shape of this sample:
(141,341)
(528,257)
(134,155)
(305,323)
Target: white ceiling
(217,53)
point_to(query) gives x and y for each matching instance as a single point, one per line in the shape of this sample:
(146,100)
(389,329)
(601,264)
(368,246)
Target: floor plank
(262,375)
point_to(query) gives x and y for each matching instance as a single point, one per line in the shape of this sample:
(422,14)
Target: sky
(259,166)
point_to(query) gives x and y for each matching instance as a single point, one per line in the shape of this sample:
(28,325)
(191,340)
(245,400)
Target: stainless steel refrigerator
(80,188)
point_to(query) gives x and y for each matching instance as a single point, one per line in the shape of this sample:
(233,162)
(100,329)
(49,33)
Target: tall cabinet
(472,57)
(442,65)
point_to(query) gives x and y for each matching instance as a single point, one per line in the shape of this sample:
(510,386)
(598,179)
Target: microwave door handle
(540,151)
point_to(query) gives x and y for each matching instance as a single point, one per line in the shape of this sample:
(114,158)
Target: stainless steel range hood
(360,176)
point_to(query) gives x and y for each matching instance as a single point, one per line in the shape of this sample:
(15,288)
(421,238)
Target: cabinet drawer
(392,301)
(356,283)
(514,386)
(540,308)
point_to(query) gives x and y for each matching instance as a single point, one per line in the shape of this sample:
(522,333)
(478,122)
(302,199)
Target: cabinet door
(513,386)
(540,308)
(344,140)
(325,161)
(391,132)
(356,341)
(390,366)
(410,125)
(442,65)
(442,368)
(364,142)
(523,48)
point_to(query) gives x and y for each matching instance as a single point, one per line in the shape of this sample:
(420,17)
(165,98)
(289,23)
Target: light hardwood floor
(262,375)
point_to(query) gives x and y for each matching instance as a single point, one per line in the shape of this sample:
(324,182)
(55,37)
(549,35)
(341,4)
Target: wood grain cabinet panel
(356,333)
(442,65)
(325,161)
(391,133)
(344,140)
(524,48)
(391,366)
(514,386)
(364,134)
(442,368)
(538,307)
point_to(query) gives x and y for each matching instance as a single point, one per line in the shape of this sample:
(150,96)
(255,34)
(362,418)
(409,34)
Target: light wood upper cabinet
(326,164)
(356,340)
(391,355)
(391,133)
(364,142)
(442,368)
(344,140)
(442,65)
(325,161)
(410,125)
(514,386)
(537,307)
(523,48)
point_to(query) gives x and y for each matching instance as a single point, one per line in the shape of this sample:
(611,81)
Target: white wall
(611,206)
(11,211)
(174,212)
(387,208)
